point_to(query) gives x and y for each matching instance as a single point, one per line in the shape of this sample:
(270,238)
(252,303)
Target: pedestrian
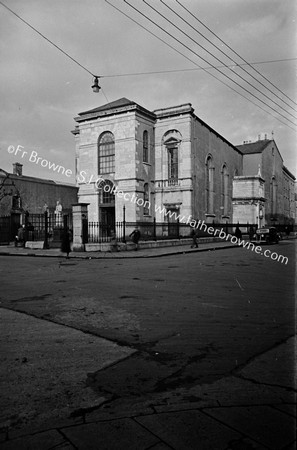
(66,239)
(238,233)
(20,236)
(194,238)
(135,235)
(114,242)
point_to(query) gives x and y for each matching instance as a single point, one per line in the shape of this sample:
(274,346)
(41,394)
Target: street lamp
(96,88)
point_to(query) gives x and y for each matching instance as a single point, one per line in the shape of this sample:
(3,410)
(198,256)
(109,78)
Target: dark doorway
(107,219)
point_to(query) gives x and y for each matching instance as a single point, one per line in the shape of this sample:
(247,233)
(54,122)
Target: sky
(42,90)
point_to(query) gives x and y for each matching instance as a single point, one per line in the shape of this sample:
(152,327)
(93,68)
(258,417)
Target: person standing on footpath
(238,233)
(194,238)
(66,239)
(135,235)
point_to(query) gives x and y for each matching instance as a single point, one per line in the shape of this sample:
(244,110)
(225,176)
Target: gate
(47,227)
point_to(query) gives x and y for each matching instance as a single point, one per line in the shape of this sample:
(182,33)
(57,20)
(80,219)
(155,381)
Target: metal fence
(47,227)
(99,232)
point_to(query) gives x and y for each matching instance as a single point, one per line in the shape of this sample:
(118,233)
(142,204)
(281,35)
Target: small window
(16,202)
(145,147)
(106,193)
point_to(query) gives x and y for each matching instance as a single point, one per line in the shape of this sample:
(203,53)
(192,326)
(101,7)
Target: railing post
(45,243)
(124,224)
(26,227)
(155,229)
(178,229)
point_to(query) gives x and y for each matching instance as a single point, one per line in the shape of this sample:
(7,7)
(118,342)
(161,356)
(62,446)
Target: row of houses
(162,165)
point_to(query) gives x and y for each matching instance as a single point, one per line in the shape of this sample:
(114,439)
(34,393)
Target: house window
(209,188)
(106,151)
(16,202)
(172,164)
(146,198)
(145,147)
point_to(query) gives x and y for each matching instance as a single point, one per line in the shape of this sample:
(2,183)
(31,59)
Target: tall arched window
(106,153)
(145,145)
(172,142)
(172,163)
(146,198)
(225,190)
(209,184)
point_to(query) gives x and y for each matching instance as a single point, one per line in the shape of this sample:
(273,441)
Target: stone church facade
(167,163)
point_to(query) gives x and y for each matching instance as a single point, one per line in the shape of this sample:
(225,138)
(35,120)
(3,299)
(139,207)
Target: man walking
(135,235)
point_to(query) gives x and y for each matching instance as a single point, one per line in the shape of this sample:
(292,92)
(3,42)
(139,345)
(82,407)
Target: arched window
(172,141)
(172,162)
(146,198)
(225,190)
(209,184)
(145,145)
(106,153)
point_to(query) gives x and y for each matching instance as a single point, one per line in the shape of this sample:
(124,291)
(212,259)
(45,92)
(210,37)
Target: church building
(168,164)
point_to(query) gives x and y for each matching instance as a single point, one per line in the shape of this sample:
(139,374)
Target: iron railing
(99,232)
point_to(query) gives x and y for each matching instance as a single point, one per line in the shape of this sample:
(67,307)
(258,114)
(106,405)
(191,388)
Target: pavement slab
(189,430)
(41,441)
(275,367)
(114,435)
(271,428)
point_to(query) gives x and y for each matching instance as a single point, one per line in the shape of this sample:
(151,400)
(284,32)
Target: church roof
(118,106)
(253,147)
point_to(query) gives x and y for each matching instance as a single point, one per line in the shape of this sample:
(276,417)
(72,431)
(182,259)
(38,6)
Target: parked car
(269,235)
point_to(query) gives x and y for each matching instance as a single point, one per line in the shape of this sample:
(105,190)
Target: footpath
(254,407)
(204,245)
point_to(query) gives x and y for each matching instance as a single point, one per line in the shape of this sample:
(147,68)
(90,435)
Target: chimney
(17,169)
(259,137)
(265,137)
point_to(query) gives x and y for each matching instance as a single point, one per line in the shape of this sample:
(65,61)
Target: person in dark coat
(135,235)
(238,233)
(66,239)
(194,238)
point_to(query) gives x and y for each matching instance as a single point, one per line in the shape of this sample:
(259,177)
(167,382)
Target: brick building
(20,193)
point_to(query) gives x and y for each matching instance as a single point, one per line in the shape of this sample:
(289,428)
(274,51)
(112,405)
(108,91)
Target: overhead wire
(220,80)
(218,59)
(152,72)
(229,57)
(176,50)
(52,43)
(196,64)
(236,53)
